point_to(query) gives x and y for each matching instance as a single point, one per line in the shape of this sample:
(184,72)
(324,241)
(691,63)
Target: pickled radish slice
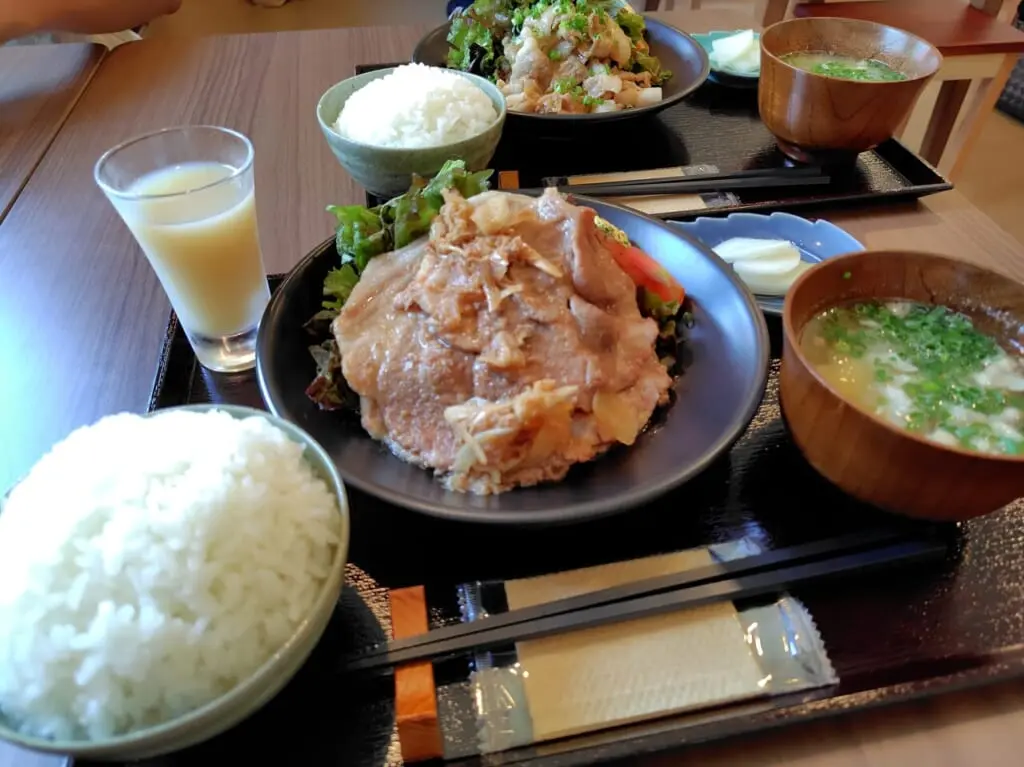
(749,62)
(750,248)
(774,284)
(728,49)
(740,52)
(768,267)
(777,262)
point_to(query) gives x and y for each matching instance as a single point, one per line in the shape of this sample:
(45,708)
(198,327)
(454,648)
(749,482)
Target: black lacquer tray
(909,632)
(716,126)
(956,622)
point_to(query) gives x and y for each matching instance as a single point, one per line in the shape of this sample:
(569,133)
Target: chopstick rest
(419,732)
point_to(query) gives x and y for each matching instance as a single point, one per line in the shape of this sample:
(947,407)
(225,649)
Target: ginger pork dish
(510,339)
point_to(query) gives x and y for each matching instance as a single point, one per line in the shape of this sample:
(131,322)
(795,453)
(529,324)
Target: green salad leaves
(363,233)
(632,24)
(673,323)
(478,33)
(645,62)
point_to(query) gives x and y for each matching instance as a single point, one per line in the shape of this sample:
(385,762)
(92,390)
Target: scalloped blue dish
(816,240)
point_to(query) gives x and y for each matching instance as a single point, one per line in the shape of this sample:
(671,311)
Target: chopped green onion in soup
(925,368)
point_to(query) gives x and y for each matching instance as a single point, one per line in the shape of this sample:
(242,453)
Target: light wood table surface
(82,314)
(39,85)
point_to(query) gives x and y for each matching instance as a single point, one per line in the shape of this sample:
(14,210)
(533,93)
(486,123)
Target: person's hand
(88,17)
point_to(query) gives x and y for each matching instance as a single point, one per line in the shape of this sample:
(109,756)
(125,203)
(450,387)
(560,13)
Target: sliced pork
(504,348)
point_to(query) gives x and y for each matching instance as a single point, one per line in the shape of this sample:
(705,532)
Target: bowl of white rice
(385,125)
(162,577)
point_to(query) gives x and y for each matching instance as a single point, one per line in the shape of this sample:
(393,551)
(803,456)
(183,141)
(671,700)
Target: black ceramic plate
(677,51)
(715,397)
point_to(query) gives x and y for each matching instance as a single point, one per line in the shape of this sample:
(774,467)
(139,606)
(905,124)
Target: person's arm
(88,17)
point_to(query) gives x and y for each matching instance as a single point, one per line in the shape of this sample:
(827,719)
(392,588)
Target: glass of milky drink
(188,196)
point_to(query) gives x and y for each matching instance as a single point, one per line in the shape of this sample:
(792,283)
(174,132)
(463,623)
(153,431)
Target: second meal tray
(715,129)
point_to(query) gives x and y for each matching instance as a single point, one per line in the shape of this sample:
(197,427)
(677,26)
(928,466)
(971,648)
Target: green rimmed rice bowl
(114,633)
(370,153)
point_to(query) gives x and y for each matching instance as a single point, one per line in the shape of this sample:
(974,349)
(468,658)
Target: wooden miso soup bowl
(861,453)
(827,120)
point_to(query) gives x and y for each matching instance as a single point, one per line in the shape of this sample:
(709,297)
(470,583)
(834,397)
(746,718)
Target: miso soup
(925,368)
(842,67)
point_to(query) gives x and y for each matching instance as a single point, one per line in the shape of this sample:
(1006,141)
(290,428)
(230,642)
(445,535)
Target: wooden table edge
(103,53)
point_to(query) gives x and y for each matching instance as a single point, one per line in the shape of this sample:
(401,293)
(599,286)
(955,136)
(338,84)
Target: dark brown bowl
(864,455)
(827,120)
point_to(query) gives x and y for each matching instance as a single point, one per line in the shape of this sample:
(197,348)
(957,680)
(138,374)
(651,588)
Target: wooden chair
(976,37)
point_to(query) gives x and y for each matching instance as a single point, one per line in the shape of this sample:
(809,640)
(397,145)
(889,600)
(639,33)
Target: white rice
(416,106)
(148,565)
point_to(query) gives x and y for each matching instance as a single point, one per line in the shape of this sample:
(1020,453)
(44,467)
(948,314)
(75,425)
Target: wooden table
(82,316)
(65,254)
(39,85)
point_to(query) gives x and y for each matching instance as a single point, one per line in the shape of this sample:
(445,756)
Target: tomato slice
(646,272)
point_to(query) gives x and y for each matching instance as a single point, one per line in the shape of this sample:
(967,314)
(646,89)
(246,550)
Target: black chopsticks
(761,178)
(691,186)
(679,174)
(748,577)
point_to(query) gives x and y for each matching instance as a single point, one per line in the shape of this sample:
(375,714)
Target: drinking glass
(188,196)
